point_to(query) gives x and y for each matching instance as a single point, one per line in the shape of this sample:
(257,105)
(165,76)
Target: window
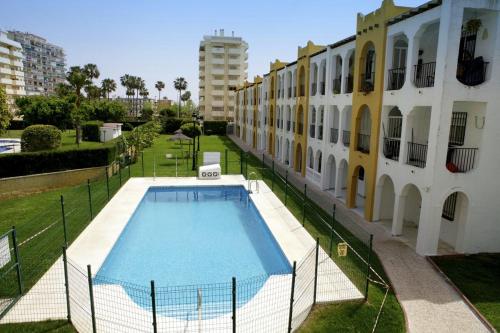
(449,207)
(457,128)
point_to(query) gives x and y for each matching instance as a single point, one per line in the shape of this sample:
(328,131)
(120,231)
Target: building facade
(11,69)
(223,63)
(44,63)
(397,121)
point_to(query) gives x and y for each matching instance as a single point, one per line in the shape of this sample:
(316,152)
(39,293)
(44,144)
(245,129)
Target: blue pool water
(194,237)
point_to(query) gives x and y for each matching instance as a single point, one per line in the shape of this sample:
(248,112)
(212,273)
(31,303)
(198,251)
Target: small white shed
(110,131)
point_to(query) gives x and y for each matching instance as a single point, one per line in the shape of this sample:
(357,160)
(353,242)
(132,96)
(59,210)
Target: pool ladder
(250,181)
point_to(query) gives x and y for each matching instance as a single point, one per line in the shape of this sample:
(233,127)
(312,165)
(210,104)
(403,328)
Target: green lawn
(41,327)
(478,277)
(67,140)
(36,212)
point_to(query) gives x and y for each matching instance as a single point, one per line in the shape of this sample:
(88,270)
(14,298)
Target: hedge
(21,164)
(215,127)
(170,125)
(90,130)
(17,125)
(187,129)
(40,137)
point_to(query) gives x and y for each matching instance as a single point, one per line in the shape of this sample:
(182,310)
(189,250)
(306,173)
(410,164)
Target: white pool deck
(93,245)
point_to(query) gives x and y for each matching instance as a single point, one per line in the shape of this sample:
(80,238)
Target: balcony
(367,80)
(349,84)
(364,143)
(396,78)
(472,73)
(312,131)
(320,132)
(346,138)
(288,125)
(424,74)
(322,88)
(392,148)
(461,160)
(300,129)
(289,95)
(334,135)
(337,85)
(417,154)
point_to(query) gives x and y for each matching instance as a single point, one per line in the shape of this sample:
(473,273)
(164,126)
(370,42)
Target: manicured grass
(33,213)
(39,327)
(478,277)
(67,140)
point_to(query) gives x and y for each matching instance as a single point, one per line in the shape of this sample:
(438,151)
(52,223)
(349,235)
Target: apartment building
(223,66)
(44,63)
(398,121)
(11,69)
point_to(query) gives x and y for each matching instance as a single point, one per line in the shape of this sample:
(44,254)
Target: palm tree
(108,86)
(159,85)
(180,84)
(144,92)
(92,91)
(78,79)
(126,82)
(92,71)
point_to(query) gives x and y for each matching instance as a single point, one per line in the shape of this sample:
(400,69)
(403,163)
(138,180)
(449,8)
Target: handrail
(250,182)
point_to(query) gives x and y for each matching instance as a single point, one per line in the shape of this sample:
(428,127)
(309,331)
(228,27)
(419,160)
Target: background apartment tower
(11,68)
(223,66)
(44,63)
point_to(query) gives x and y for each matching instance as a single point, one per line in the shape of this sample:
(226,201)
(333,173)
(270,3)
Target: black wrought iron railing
(396,78)
(449,207)
(289,92)
(391,148)
(322,88)
(472,73)
(312,131)
(288,125)
(423,75)
(346,138)
(417,154)
(363,143)
(334,135)
(461,160)
(367,82)
(320,132)
(349,84)
(337,85)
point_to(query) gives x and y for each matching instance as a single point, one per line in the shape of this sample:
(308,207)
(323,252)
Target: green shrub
(47,110)
(188,130)
(127,127)
(16,124)
(90,130)
(21,164)
(40,137)
(170,125)
(215,127)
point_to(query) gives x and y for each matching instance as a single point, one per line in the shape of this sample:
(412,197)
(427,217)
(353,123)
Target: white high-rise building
(223,66)
(11,69)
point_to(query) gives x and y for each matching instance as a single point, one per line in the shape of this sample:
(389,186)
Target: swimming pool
(194,237)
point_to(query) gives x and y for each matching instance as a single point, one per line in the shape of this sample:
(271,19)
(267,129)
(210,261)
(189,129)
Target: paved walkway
(430,304)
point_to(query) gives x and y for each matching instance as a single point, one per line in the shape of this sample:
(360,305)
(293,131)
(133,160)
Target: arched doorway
(358,189)
(330,175)
(408,215)
(385,199)
(298,158)
(453,219)
(342,174)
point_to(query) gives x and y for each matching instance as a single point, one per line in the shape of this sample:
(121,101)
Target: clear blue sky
(159,39)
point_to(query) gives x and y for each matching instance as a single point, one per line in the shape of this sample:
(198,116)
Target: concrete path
(430,304)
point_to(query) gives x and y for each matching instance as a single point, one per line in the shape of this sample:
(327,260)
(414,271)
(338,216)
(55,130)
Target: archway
(302,81)
(318,161)
(310,158)
(298,158)
(300,120)
(385,198)
(341,185)
(270,144)
(407,218)
(330,175)
(453,219)
(358,188)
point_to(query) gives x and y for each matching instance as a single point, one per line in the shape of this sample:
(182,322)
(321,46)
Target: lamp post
(201,124)
(194,140)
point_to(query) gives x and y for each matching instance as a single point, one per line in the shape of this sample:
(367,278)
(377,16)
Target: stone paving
(430,304)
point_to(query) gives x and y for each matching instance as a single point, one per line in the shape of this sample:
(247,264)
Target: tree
(92,91)
(159,86)
(47,110)
(77,78)
(92,71)
(186,96)
(63,90)
(5,115)
(108,86)
(144,92)
(180,84)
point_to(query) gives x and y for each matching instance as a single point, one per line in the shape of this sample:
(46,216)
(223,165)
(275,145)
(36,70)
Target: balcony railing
(313,88)
(288,125)
(417,154)
(334,135)
(289,92)
(346,138)
(322,88)
(472,73)
(391,148)
(349,84)
(320,132)
(337,85)
(423,75)
(367,82)
(312,131)
(300,129)
(364,143)
(396,78)
(461,160)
